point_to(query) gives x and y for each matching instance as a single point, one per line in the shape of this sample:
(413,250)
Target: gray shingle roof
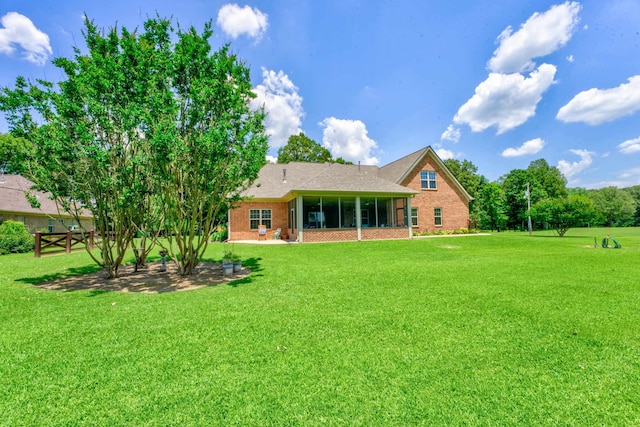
(396,171)
(12,198)
(324,177)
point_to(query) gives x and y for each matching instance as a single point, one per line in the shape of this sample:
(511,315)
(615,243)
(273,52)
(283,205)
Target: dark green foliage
(617,207)
(563,214)
(14,238)
(301,148)
(15,154)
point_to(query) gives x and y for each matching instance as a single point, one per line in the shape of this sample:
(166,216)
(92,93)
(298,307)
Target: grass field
(504,329)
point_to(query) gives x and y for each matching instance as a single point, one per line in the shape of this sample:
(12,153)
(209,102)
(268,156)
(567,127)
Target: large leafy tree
(15,154)
(146,132)
(491,207)
(208,146)
(300,148)
(548,178)
(564,213)
(635,193)
(617,206)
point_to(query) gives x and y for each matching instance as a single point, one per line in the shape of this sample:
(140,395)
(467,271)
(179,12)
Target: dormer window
(428,180)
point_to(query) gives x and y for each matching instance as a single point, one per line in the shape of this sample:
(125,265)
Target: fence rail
(52,243)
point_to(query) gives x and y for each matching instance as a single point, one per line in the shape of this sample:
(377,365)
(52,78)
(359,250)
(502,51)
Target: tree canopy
(563,213)
(149,131)
(15,154)
(300,148)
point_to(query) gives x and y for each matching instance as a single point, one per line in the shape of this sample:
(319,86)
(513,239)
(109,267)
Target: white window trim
(436,216)
(428,181)
(261,218)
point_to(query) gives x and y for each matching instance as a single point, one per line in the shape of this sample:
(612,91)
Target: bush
(15,238)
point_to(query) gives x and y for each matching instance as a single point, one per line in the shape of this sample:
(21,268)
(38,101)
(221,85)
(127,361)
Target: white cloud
(542,34)
(348,139)
(630,173)
(18,30)
(530,147)
(450,134)
(445,154)
(571,169)
(236,21)
(505,100)
(630,146)
(283,106)
(596,106)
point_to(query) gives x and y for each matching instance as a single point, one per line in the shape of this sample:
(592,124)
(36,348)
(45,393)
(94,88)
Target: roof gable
(400,169)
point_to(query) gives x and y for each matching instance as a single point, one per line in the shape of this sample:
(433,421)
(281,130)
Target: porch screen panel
(348,212)
(368,211)
(330,208)
(312,217)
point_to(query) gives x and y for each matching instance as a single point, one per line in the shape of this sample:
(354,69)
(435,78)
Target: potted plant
(227,262)
(237,263)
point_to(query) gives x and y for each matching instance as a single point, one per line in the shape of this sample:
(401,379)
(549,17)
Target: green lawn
(504,329)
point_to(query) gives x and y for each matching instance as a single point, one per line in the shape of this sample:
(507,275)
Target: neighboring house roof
(399,170)
(278,180)
(12,198)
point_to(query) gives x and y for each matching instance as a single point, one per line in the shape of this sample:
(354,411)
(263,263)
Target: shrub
(14,238)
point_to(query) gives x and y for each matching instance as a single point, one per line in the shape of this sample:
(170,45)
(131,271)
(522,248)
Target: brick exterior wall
(329,235)
(454,205)
(239,224)
(383,233)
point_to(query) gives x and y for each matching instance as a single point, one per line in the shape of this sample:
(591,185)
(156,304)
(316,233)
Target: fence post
(68,245)
(37,244)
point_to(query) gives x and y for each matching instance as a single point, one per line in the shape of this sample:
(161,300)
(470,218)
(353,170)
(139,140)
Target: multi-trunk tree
(148,131)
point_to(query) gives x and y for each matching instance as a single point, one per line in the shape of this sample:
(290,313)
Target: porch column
(409,217)
(299,218)
(358,218)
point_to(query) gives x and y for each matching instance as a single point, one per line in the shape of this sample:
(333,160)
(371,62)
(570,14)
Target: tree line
(503,204)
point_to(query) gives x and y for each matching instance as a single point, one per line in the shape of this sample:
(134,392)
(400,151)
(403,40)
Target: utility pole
(527,194)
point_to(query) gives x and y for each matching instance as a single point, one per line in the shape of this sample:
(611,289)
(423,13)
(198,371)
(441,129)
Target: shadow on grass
(69,272)
(148,279)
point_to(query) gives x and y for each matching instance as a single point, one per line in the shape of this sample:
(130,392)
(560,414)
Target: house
(15,206)
(320,202)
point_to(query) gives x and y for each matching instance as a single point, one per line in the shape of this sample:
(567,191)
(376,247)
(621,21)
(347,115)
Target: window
(428,180)
(414,217)
(259,216)
(437,216)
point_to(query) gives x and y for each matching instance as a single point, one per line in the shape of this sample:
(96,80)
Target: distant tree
(563,214)
(635,193)
(618,207)
(549,178)
(15,153)
(578,191)
(491,208)
(301,148)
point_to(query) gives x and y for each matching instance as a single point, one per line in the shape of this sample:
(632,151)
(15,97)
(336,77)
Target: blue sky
(500,83)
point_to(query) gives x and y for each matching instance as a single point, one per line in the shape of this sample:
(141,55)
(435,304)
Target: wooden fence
(51,243)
